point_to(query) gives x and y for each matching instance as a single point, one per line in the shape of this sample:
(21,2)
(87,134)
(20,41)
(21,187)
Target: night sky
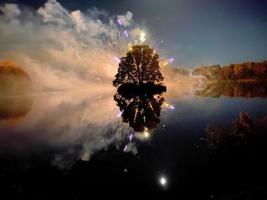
(193,32)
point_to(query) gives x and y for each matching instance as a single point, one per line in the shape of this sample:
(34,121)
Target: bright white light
(146,134)
(142,37)
(163,181)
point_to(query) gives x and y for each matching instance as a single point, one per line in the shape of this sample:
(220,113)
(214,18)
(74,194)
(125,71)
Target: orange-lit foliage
(13,79)
(244,71)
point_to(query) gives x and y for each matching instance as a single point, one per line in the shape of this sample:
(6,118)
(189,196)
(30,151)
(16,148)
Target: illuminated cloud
(66,51)
(136,32)
(59,49)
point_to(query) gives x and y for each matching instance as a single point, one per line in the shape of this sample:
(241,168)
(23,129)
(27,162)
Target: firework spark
(119,22)
(142,37)
(117,59)
(126,33)
(131,137)
(165,63)
(146,134)
(171,107)
(170,60)
(120,113)
(125,148)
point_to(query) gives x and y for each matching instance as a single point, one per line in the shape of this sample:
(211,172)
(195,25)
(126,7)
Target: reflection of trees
(234,89)
(243,129)
(239,147)
(140,110)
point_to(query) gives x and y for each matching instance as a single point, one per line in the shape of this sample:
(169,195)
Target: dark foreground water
(75,146)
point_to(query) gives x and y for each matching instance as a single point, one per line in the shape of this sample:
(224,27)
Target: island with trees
(139,71)
(139,84)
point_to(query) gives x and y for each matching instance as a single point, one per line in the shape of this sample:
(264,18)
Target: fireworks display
(142,37)
(171,107)
(126,40)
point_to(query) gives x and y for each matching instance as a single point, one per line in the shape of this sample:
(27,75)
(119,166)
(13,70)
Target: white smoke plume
(10,10)
(64,50)
(126,19)
(61,49)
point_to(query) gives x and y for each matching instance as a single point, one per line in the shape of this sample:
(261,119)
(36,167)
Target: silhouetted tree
(140,66)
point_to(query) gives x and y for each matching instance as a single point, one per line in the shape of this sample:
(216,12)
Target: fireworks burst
(142,37)
(120,113)
(117,59)
(129,42)
(171,107)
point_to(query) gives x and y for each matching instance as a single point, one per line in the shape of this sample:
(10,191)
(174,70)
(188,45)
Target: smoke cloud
(64,50)
(68,51)
(126,19)
(61,49)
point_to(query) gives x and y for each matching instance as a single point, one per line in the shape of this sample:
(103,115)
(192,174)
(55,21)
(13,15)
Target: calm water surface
(72,145)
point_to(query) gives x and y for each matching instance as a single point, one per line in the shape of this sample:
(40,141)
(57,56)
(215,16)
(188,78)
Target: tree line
(243,71)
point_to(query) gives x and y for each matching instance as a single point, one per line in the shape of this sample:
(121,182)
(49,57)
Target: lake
(76,144)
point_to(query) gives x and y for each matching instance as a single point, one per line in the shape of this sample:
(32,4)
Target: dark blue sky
(194,32)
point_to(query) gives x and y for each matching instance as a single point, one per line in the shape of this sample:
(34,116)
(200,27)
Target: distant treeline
(243,71)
